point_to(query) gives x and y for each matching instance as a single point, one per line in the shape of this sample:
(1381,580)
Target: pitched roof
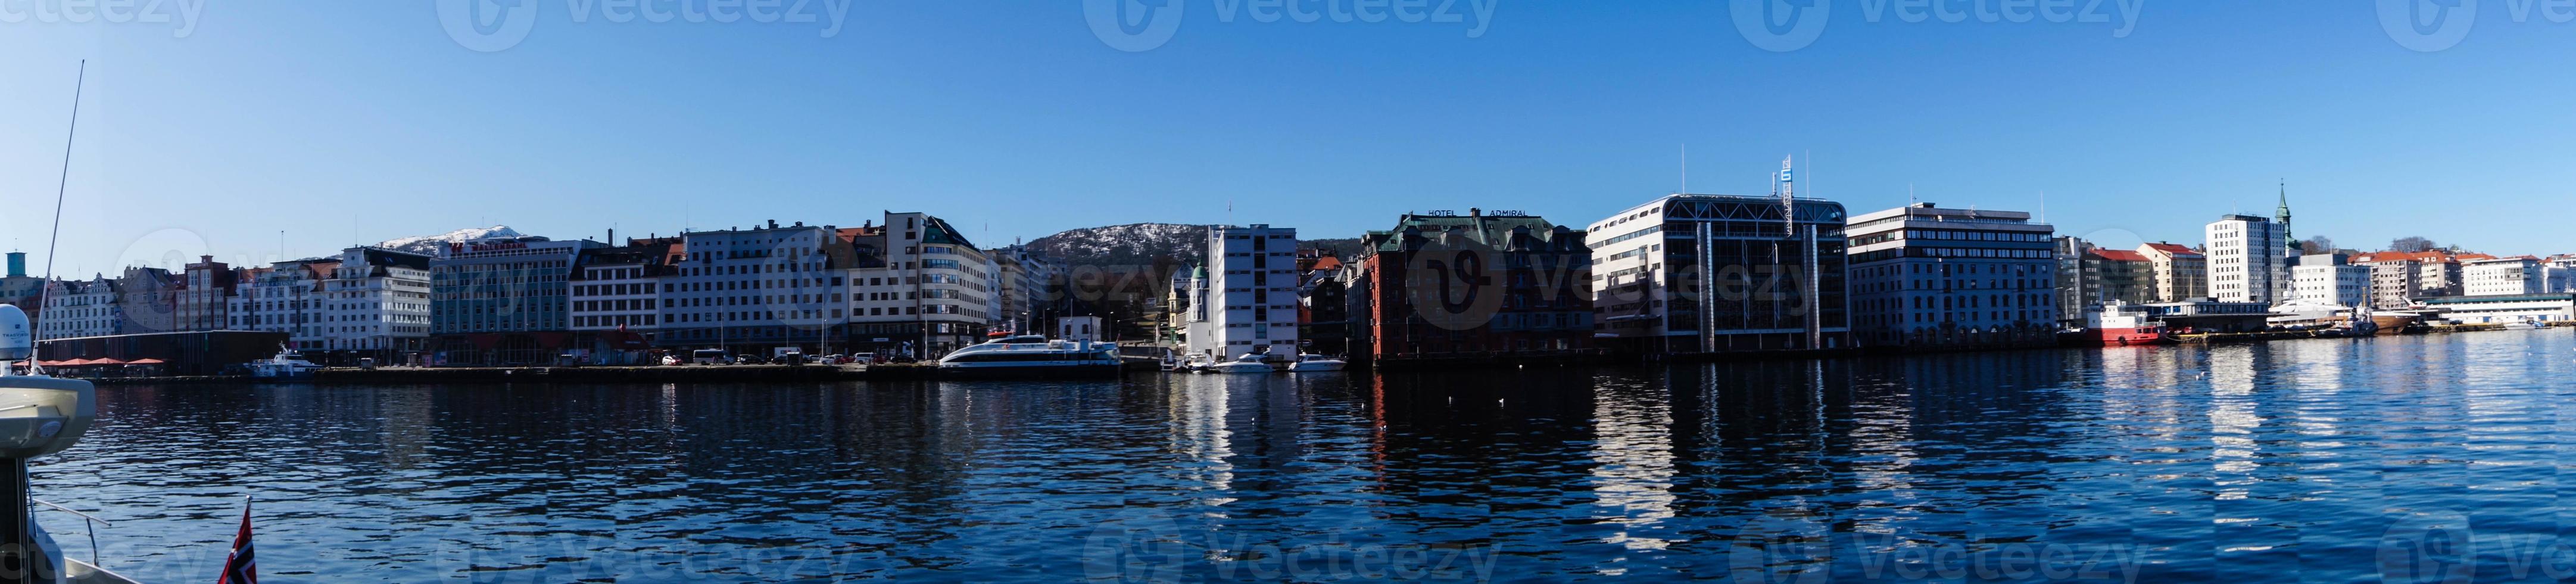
(2173,249)
(2120,255)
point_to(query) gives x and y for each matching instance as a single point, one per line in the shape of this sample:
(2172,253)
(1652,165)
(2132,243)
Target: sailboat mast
(62,184)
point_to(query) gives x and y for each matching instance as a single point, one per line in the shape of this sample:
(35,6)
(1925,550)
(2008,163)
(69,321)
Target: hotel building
(375,304)
(1926,276)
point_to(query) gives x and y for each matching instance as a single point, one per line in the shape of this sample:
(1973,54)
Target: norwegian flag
(239,568)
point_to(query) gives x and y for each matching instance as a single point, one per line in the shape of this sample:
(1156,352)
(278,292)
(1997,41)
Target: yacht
(1032,354)
(1312,363)
(39,415)
(1248,363)
(286,364)
(2522,325)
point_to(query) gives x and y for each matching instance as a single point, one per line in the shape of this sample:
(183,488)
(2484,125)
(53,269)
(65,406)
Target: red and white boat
(2115,325)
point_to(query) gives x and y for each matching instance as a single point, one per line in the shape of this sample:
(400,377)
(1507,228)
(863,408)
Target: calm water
(2323,461)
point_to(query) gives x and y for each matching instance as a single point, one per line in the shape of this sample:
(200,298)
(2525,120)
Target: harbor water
(2412,458)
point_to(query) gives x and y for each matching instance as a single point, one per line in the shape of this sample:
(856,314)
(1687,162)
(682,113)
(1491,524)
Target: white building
(75,309)
(1080,328)
(2329,279)
(376,301)
(1922,275)
(2503,277)
(918,287)
(1248,301)
(2502,309)
(746,290)
(2247,259)
(620,288)
(285,297)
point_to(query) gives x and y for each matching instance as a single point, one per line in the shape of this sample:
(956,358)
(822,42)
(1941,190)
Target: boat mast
(62,184)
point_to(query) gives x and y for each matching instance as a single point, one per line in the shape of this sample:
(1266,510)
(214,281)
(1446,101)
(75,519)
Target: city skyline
(261,119)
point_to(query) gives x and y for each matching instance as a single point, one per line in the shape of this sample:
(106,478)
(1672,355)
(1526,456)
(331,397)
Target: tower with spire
(2283,216)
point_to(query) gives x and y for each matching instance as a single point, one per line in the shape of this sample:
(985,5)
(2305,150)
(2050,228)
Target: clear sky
(340,122)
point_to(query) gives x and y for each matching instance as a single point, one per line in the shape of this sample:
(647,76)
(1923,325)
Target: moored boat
(1312,363)
(286,364)
(2390,322)
(1032,355)
(2117,326)
(1248,363)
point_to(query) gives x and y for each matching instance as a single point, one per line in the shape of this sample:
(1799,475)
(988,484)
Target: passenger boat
(286,364)
(2117,326)
(1312,363)
(1032,355)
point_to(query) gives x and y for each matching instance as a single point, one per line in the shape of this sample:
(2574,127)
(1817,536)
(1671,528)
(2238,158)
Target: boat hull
(2125,337)
(2393,324)
(1239,368)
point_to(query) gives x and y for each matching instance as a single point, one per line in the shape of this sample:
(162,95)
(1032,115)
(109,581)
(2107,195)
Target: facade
(2552,307)
(1080,328)
(76,309)
(286,297)
(2247,261)
(1247,303)
(2394,282)
(2401,278)
(1526,289)
(917,287)
(149,299)
(744,290)
(21,290)
(1715,273)
(2177,273)
(205,300)
(2330,280)
(2118,275)
(2211,316)
(1923,276)
(375,303)
(2503,277)
(2072,295)
(1324,301)
(502,301)
(1025,278)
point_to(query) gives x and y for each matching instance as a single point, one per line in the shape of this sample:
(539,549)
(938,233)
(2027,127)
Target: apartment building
(1924,276)
(1247,303)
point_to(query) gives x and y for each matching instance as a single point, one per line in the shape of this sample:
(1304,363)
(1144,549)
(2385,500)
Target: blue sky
(361,121)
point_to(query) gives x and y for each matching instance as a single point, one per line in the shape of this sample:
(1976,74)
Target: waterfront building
(1923,276)
(205,298)
(76,309)
(1324,301)
(2177,273)
(617,298)
(2515,276)
(2118,275)
(1081,329)
(747,290)
(1769,272)
(2073,297)
(1026,278)
(2207,315)
(2551,307)
(916,287)
(1247,303)
(502,301)
(375,304)
(285,297)
(2400,278)
(2330,280)
(2247,262)
(1443,285)
(149,299)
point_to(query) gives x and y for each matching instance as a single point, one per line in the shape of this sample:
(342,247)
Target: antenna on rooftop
(1685,170)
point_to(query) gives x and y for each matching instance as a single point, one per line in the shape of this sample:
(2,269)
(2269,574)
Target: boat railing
(88,522)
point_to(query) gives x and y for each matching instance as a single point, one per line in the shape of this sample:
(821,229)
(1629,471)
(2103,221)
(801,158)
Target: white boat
(1248,363)
(286,364)
(1033,354)
(39,415)
(1312,363)
(2522,325)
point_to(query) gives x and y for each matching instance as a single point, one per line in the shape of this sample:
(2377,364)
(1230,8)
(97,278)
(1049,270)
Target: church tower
(2283,216)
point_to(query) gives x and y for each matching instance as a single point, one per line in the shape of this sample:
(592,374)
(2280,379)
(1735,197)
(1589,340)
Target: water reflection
(2329,460)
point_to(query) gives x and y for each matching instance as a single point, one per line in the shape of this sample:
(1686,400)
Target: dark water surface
(2417,459)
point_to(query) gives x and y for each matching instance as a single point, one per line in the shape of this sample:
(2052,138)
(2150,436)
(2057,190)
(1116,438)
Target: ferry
(1033,355)
(286,364)
(2117,326)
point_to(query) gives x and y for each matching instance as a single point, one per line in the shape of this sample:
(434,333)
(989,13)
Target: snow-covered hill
(1135,244)
(432,244)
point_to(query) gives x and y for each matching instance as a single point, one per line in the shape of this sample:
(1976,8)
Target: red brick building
(1444,286)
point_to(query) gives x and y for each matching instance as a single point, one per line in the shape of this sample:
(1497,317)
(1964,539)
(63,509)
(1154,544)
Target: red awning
(145,362)
(106,361)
